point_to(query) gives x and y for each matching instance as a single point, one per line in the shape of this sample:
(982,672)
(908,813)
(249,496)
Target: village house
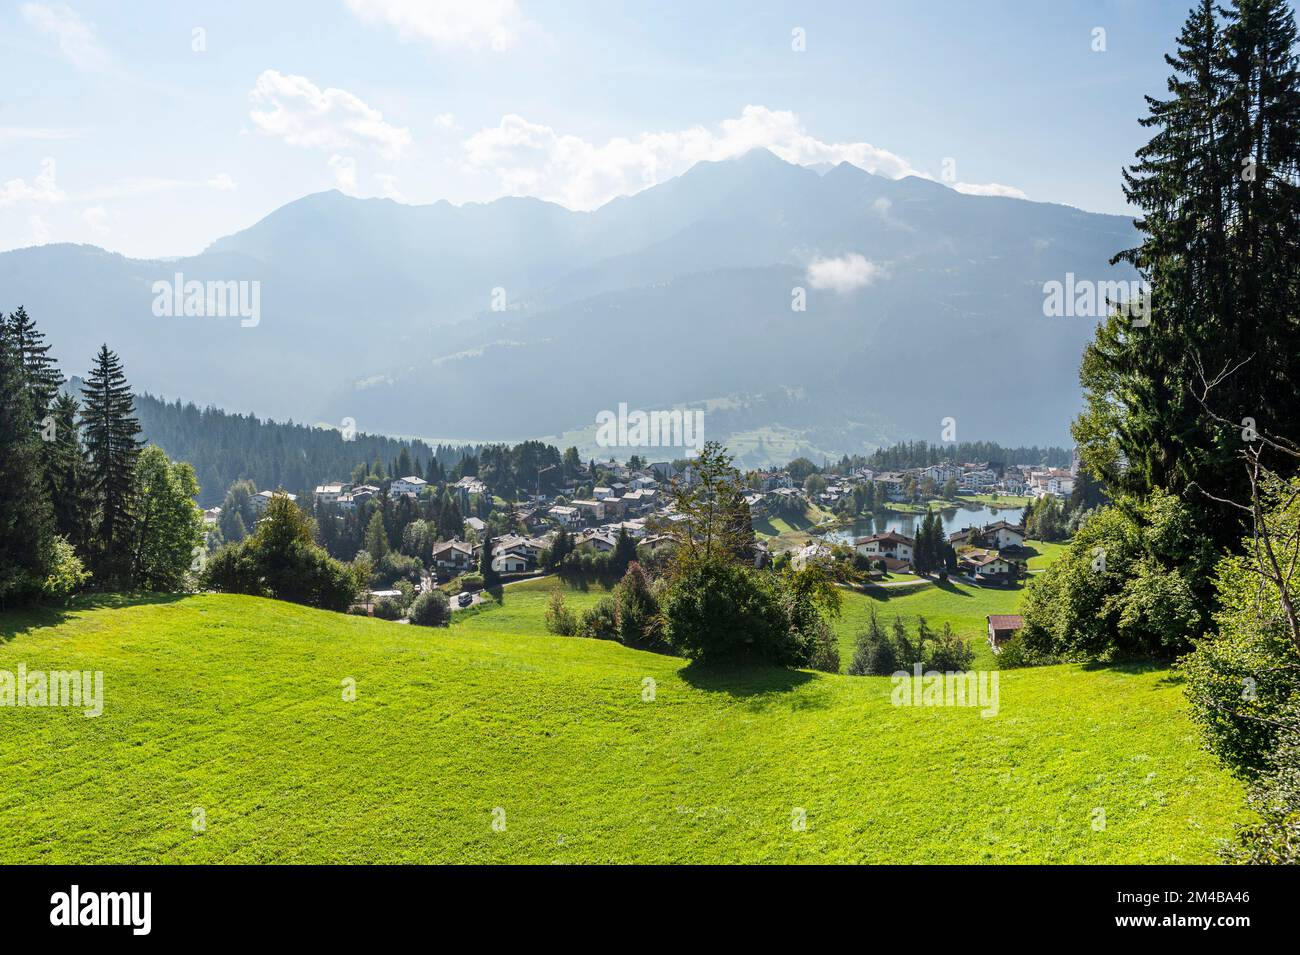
(453,557)
(331,492)
(261,499)
(1001,535)
(565,516)
(987,566)
(509,563)
(889,544)
(408,485)
(590,510)
(476,524)
(602,493)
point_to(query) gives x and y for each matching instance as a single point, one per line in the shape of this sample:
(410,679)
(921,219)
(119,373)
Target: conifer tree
(112,445)
(26,527)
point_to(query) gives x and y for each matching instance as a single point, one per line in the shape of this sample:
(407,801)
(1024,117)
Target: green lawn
(234,704)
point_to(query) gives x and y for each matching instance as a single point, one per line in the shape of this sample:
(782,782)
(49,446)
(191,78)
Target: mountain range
(519,318)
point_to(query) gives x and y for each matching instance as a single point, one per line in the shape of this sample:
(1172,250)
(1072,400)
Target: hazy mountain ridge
(680,293)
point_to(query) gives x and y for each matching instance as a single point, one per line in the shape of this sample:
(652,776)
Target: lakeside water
(956,518)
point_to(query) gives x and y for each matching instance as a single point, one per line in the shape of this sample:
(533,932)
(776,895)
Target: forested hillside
(226,447)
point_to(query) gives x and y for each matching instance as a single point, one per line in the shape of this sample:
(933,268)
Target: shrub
(1275,796)
(67,574)
(823,647)
(875,653)
(639,623)
(431,609)
(388,609)
(471,582)
(948,652)
(601,621)
(719,610)
(1014,654)
(281,560)
(559,618)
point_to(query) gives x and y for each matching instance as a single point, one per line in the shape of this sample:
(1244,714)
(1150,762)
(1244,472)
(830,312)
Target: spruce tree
(112,444)
(26,527)
(1220,224)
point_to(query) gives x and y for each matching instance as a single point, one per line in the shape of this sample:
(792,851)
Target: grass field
(235,705)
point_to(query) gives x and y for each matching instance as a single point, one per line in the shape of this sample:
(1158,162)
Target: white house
(261,499)
(509,563)
(566,516)
(1001,535)
(888,544)
(330,493)
(408,485)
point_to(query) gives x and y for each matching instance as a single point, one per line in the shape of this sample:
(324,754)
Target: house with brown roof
(1002,627)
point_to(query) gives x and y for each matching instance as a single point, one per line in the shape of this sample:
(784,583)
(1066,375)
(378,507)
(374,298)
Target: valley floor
(232,708)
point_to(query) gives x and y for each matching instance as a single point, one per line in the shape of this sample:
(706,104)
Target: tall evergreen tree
(67,475)
(1217,186)
(26,526)
(112,444)
(40,371)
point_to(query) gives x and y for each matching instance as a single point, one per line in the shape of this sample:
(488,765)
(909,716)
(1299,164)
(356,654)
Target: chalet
(1001,535)
(889,544)
(527,548)
(599,541)
(757,506)
(453,557)
(408,485)
(1002,627)
(989,566)
(211,515)
(602,493)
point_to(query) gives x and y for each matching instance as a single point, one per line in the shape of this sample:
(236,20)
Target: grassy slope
(234,704)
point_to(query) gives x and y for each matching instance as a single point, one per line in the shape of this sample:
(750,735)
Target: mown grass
(235,704)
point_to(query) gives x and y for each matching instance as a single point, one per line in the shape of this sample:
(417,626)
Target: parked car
(465,600)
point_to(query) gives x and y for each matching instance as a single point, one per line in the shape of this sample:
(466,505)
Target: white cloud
(534,159)
(345,173)
(97,218)
(43,188)
(988,189)
(40,231)
(446,121)
(844,274)
(472,24)
(222,182)
(295,109)
(74,37)
(388,187)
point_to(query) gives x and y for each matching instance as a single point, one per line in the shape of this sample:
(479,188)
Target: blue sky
(122,126)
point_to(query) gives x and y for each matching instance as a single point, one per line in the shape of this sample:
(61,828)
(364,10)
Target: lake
(956,518)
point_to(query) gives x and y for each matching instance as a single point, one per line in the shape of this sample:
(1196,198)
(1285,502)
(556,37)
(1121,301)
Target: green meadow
(230,711)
